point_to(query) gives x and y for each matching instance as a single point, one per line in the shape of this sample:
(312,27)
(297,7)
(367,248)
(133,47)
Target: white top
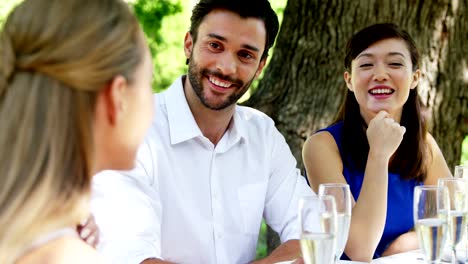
(188,201)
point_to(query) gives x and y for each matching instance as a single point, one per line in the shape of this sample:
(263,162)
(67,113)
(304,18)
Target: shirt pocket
(251,201)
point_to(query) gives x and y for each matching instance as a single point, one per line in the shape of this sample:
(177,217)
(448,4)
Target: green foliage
(151,13)
(262,250)
(5,7)
(464,157)
(157,20)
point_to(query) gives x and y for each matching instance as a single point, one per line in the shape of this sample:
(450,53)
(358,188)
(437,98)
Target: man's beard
(196,74)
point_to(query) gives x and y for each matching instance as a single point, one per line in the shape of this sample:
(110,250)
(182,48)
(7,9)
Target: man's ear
(261,65)
(112,99)
(188,45)
(347,79)
(416,78)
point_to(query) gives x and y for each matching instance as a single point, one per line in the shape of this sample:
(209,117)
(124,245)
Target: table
(411,257)
(407,258)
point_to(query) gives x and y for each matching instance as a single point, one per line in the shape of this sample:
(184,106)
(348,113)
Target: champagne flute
(457,212)
(431,226)
(317,218)
(461,171)
(342,195)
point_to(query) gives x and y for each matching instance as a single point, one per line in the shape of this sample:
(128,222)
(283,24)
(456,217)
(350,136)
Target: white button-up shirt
(189,201)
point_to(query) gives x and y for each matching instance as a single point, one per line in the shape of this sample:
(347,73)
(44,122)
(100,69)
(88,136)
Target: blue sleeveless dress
(399,198)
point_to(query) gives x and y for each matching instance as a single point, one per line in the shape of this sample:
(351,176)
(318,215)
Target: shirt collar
(238,124)
(182,124)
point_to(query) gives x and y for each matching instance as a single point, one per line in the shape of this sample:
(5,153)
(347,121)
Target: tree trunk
(449,100)
(303,85)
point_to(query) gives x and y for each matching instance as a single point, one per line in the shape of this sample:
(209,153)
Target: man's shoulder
(253,116)
(255,123)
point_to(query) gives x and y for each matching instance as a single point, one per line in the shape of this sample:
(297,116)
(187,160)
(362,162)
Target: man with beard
(209,170)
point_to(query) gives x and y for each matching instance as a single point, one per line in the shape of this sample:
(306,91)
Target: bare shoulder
(433,147)
(320,140)
(436,166)
(322,159)
(70,250)
(74,251)
(431,141)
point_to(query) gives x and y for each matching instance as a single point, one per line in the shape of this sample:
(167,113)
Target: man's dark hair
(260,9)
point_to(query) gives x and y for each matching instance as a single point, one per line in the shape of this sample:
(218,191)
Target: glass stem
(454,256)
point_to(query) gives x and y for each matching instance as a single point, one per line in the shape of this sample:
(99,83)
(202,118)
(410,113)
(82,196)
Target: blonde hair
(56,55)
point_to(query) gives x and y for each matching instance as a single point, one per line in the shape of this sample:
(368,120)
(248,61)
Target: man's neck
(212,123)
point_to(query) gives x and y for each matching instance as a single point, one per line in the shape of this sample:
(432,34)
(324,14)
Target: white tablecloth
(417,256)
(411,257)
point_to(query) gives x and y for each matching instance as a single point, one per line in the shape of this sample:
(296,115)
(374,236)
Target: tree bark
(303,85)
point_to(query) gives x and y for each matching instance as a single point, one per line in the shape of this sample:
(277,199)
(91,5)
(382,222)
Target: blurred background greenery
(165,23)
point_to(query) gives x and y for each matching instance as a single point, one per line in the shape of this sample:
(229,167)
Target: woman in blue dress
(378,144)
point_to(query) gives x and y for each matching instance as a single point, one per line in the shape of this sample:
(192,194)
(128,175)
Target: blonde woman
(75,99)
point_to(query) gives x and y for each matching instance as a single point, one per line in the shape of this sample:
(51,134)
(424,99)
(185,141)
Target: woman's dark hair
(410,159)
(260,9)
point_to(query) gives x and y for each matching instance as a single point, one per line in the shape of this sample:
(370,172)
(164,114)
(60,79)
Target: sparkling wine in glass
(431,225)
(461,171)
(342,195)
(457,212)
(317,218)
